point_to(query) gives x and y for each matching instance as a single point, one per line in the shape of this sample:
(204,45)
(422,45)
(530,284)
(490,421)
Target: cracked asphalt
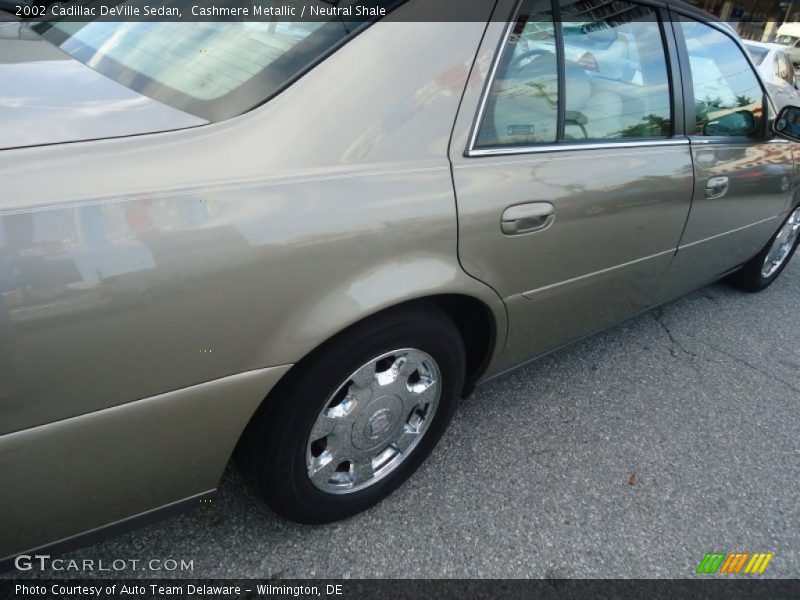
(699,399)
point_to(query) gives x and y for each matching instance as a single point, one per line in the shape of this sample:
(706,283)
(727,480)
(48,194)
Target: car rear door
(743,176)
(572,174)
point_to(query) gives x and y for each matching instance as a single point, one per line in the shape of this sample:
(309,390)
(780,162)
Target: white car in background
(777,71)
(789,38)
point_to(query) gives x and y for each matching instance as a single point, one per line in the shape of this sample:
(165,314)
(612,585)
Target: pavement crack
(749,365)
(658,315)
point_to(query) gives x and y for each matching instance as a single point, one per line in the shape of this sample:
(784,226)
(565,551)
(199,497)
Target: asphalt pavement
(629,454)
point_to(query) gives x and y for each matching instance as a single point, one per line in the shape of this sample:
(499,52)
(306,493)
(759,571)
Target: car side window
(778,67)
(781,67)
(616,74)
(522,105)
(787,69)
(727,95)
(616,81)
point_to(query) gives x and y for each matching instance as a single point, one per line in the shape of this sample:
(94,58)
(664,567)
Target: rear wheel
(360,416)
(767,265)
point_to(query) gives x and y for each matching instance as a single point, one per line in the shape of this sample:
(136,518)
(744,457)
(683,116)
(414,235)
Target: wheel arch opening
(472,317)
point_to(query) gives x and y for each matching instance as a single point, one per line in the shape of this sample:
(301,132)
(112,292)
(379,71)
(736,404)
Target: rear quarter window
(214,70)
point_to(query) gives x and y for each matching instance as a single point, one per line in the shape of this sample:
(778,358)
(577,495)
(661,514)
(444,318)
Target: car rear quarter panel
(139,266)
(132,268)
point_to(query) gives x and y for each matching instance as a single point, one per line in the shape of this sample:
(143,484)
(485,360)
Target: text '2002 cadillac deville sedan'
(305,241)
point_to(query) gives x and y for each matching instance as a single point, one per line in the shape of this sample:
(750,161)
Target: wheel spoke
(322,468)
(409,435)
(339,444)
(363,469)
(323,427)
(364,377)
(411,363)
(412,400)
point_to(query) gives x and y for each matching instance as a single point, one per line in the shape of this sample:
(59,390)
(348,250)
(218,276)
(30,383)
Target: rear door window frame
(674,76)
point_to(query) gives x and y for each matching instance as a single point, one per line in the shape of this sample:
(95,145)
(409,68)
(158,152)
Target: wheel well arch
(471,316)
(478,329)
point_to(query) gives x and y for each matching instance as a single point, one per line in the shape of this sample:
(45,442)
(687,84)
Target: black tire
(275,451)
(749,278)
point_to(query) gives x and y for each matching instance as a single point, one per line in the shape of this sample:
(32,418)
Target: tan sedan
(302,242)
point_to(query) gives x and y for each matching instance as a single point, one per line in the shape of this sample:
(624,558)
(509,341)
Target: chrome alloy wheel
(373,422)
(782,246)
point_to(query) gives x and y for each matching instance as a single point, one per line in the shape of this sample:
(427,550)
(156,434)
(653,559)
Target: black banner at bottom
(230,589)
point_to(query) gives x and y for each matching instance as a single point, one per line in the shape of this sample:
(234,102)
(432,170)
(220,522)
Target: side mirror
(738,123)
(787,123)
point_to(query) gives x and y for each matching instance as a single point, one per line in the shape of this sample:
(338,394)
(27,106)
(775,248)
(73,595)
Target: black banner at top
(244,10)
(309,11)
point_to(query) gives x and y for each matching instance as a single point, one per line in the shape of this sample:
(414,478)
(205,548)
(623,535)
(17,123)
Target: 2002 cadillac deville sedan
(305,241)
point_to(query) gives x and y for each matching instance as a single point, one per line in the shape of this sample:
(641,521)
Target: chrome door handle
(716,187)
(524,218)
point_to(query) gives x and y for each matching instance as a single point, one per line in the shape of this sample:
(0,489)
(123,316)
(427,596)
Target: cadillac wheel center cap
(379,423)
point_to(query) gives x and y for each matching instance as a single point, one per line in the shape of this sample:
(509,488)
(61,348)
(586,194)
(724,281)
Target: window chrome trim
(556,147)
(473,138)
